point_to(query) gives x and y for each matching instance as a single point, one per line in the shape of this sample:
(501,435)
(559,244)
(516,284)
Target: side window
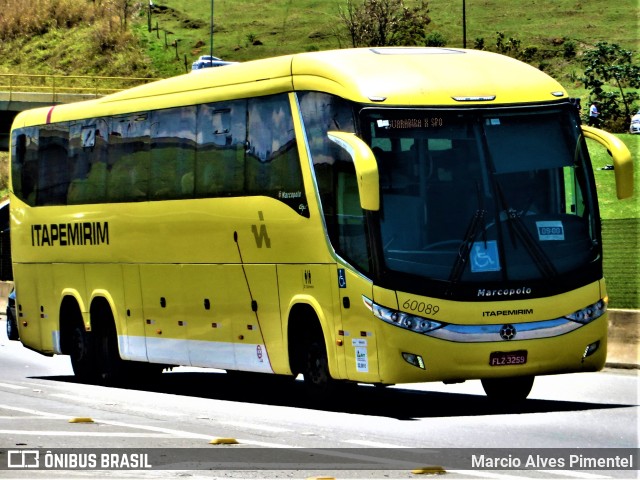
(248,147)
(272,163)
(23,166)
(235,148)
(40,164)
(53,169)
(88,143)
(129,144)
(335,175)
(221,140)
(173,153)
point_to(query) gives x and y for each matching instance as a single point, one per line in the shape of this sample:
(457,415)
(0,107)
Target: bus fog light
(591,349)
(413,359)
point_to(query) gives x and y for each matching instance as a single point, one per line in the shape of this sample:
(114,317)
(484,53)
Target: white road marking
(91,401)
(487,474)
(574,474)
(75,433)
(523,474)
(254,426)
(369,443)
(13,387)
(39,413)
(170,432)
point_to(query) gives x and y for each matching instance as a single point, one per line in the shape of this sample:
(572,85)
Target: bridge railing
(67,84)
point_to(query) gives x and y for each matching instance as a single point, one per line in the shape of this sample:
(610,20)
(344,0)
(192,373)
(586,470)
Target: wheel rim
(317,368)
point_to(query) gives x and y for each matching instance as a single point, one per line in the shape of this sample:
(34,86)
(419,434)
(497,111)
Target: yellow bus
(379,215)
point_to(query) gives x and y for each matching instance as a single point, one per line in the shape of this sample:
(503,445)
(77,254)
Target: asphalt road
(365,433)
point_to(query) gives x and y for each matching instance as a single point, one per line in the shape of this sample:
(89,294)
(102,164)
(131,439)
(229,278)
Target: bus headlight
(402,319)
(590,313)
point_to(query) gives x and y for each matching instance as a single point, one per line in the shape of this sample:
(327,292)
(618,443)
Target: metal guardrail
(67,84)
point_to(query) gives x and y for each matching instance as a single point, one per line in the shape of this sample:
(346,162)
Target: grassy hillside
(89,40)
(249,29)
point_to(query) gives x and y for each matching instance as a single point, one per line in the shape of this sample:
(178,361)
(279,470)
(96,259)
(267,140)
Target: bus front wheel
(317,378)
(508,390)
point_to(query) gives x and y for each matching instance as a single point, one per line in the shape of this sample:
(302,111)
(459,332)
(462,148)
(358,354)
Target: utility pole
(464,23)
(211,36)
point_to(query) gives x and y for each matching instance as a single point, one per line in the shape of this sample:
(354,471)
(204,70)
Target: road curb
(622,347)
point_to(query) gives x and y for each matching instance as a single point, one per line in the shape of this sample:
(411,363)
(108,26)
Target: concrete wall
(624,338)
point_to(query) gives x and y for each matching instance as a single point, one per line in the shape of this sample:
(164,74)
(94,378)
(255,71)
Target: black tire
(12,327)
(315,370)
(111,368)
(82,354)
(508,390)
(94,355)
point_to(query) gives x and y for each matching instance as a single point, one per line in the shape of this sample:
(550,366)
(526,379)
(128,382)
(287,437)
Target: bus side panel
(163,307)
(237,285)
(28,307)
(262,346)
(210,321)
(360,339)
(49,309)
(181,330)
(132,341)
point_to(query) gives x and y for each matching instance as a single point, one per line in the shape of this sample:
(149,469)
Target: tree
(377,23)
(609,65)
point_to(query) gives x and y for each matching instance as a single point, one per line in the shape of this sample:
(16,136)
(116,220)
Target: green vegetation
(71,37)
(610,206)
(248,29)
(621,261)
(112,37)
(620,227)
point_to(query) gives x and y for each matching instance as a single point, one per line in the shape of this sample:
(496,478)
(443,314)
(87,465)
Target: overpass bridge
(20,92)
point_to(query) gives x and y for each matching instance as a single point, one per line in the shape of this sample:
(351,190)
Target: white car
(207,61)
(635,123)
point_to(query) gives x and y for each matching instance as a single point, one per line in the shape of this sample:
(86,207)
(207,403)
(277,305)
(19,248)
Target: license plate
(502,359)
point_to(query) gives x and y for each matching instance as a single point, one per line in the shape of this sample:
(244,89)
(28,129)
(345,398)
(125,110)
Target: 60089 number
(421,307)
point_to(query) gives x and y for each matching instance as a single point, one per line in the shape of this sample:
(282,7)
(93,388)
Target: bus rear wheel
(82,354)
(508,390)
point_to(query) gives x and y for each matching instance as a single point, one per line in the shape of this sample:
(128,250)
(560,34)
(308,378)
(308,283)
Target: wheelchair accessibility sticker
(484,257)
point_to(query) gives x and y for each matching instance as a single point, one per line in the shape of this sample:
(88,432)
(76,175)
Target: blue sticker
(342,278)
(484,257)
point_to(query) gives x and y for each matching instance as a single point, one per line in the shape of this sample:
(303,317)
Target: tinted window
(236,148)
(222,136)
(272,163)
(173,153)
(335,175)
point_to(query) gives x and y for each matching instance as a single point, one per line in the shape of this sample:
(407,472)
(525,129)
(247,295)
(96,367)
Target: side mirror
(366,168)
(622,162)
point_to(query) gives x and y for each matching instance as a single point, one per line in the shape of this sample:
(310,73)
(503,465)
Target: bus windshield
(483,195)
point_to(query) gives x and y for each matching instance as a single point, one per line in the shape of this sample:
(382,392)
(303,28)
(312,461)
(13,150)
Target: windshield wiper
(519,229)
(476,223)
